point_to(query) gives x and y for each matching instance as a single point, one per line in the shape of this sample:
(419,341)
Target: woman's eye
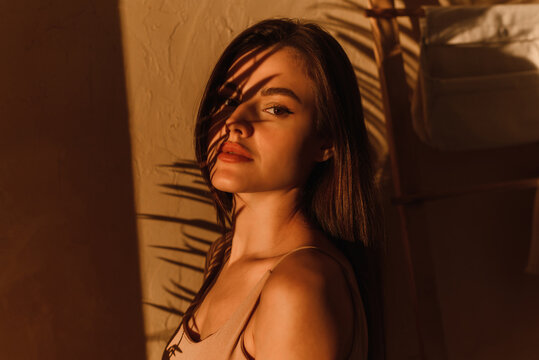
(278,110)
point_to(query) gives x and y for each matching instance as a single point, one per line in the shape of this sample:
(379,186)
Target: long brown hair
(339,196)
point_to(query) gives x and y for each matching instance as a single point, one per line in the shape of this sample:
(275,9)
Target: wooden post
(406,180)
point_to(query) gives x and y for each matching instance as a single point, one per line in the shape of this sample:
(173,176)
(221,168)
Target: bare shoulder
(305,309)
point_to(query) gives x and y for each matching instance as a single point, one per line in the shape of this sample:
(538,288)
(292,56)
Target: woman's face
(269,111)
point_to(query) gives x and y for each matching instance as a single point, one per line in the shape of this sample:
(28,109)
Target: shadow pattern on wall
(194,245)
(356,36)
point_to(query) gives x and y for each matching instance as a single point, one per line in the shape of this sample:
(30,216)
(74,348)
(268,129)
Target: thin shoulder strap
(235,327)
(302,248)
(359,345)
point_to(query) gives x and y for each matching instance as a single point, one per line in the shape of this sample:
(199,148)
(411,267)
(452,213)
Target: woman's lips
(233,152)
(226,157)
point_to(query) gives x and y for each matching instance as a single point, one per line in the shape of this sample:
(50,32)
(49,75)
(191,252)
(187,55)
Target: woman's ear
(326,152)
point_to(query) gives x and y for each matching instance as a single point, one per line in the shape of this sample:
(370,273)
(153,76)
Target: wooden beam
(406,179)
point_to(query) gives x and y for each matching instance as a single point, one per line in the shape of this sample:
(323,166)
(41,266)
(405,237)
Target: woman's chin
(229,185)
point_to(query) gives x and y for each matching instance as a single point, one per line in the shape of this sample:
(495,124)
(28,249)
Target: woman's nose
(238,124)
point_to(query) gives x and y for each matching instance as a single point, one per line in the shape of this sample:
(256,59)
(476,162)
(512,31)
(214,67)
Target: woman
(282,144)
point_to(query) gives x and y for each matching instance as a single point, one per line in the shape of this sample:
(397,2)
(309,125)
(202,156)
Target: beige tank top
(227,343)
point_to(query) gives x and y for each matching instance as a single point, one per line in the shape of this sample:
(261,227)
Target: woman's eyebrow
(280,91)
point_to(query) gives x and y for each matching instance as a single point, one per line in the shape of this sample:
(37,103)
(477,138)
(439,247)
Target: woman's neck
(266,225)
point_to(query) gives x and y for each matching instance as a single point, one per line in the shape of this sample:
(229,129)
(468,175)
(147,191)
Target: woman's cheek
(287,160)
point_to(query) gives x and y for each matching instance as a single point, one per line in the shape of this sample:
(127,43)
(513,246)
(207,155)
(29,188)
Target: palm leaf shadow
(194,192)
(358,36)
(193,245)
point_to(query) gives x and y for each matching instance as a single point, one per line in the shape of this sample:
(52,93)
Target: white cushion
(479,77)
